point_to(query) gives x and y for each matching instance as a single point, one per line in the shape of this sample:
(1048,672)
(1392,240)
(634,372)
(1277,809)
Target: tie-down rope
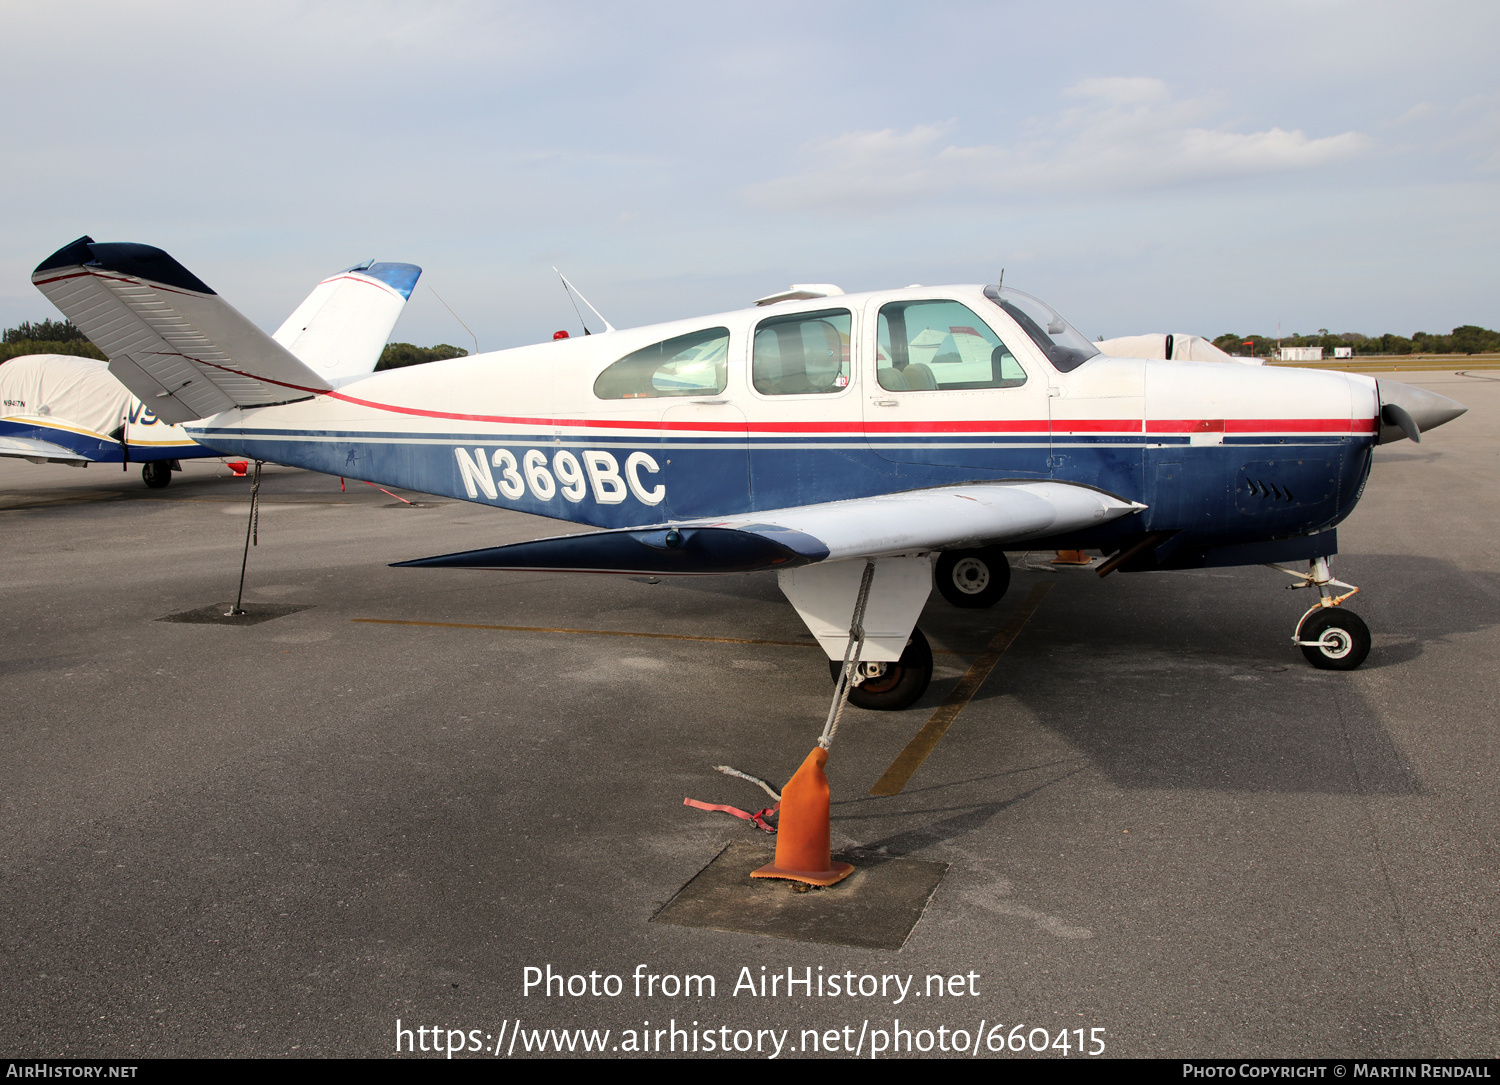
(852,652)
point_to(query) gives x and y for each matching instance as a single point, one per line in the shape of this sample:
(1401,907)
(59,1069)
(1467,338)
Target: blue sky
(1188,167)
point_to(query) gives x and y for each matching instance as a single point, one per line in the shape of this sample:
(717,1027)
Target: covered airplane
(855,444)
(1179,347)
(57,408)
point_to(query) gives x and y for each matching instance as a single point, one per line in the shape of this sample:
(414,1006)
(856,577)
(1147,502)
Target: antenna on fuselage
(456,317)
(572,290)
(1001,284)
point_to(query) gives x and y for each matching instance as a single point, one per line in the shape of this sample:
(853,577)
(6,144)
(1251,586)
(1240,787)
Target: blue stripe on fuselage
(706,476)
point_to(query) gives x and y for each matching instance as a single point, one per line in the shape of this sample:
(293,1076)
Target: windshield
(1064,347)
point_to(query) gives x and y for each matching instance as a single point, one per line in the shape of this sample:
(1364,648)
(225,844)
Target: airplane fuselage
(1224,455)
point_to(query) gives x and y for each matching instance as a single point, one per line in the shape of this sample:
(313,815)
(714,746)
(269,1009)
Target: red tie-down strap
(757,818)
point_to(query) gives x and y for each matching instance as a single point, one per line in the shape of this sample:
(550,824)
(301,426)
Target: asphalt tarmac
(1159,822)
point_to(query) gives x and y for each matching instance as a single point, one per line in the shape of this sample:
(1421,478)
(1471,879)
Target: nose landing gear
(1332,639)
(973,579)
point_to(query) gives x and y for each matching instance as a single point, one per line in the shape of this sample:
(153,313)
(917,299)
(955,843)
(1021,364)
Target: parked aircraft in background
(814,433)
(1179,347)
(56,408)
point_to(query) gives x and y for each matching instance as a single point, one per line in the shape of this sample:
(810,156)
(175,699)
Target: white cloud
(1126,134)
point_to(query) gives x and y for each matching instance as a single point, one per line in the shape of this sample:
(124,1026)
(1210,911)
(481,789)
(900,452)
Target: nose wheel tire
(973,579)
(156,474)
(1334,639)
(898,684)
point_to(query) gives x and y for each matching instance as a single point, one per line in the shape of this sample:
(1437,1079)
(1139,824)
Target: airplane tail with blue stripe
(187,354)
(343,325)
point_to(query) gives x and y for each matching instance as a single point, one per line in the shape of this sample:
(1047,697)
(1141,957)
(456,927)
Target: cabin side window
(695,364)
(802,354)
(931,346)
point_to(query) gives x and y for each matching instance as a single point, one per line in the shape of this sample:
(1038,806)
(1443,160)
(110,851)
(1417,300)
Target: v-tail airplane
(57,408)
(917,434)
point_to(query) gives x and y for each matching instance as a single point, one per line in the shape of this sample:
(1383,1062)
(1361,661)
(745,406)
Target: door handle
(884,402)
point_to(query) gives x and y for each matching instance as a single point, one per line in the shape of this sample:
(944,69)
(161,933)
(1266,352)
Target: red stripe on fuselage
(994,427)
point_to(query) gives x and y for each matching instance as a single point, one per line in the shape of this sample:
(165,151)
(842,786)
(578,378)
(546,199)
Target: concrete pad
(220,614)
(875,907)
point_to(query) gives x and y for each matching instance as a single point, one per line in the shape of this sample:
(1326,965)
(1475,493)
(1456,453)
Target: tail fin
(340,330)
(183,350)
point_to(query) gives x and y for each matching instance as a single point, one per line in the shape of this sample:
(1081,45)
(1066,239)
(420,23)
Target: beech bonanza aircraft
(917,430)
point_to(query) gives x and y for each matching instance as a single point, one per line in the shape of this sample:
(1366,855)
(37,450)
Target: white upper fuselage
(527,428)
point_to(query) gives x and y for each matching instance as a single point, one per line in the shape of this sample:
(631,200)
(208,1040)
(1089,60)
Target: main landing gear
(973,579)
(156,474)
(890,687)
(1332,639)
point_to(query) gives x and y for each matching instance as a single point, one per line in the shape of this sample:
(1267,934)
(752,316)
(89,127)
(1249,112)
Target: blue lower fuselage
(1249,489)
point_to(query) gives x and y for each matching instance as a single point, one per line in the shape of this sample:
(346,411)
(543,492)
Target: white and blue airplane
(921,432)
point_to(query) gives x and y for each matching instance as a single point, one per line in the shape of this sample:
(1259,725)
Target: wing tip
(125,258)
(402,278)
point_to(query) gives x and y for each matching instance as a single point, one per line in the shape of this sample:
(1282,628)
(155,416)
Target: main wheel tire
(1346,639)
(973,579)
(156,474)
(901,684)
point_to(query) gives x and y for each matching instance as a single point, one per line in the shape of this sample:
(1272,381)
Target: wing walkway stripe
(925,741)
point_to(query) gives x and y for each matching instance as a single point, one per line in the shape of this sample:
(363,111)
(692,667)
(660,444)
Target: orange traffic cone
(1071,557)
(802,834)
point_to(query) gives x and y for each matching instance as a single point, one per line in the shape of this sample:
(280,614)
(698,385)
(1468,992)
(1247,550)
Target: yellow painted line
(925,741)
(608,633)
(587,632)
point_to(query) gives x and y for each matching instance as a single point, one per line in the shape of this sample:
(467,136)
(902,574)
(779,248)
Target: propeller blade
(1393,414)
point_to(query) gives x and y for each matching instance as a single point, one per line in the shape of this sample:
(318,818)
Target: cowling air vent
(1270,486)
(1270,490)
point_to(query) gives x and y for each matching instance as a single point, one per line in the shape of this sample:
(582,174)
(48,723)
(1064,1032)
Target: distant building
(1301,354)
(1343,352)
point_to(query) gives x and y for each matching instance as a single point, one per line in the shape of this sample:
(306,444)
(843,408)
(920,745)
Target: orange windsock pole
(803,852)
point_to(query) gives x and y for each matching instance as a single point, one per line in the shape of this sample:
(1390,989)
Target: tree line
(46,337)
(1465,339)
(396,355)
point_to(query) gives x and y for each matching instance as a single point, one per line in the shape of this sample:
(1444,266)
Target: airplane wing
(28,448)
(973,514)
(183,350)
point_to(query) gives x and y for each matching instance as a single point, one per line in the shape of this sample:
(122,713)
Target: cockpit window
(926,346)
(1064,347)
(802,353)
(695,364)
